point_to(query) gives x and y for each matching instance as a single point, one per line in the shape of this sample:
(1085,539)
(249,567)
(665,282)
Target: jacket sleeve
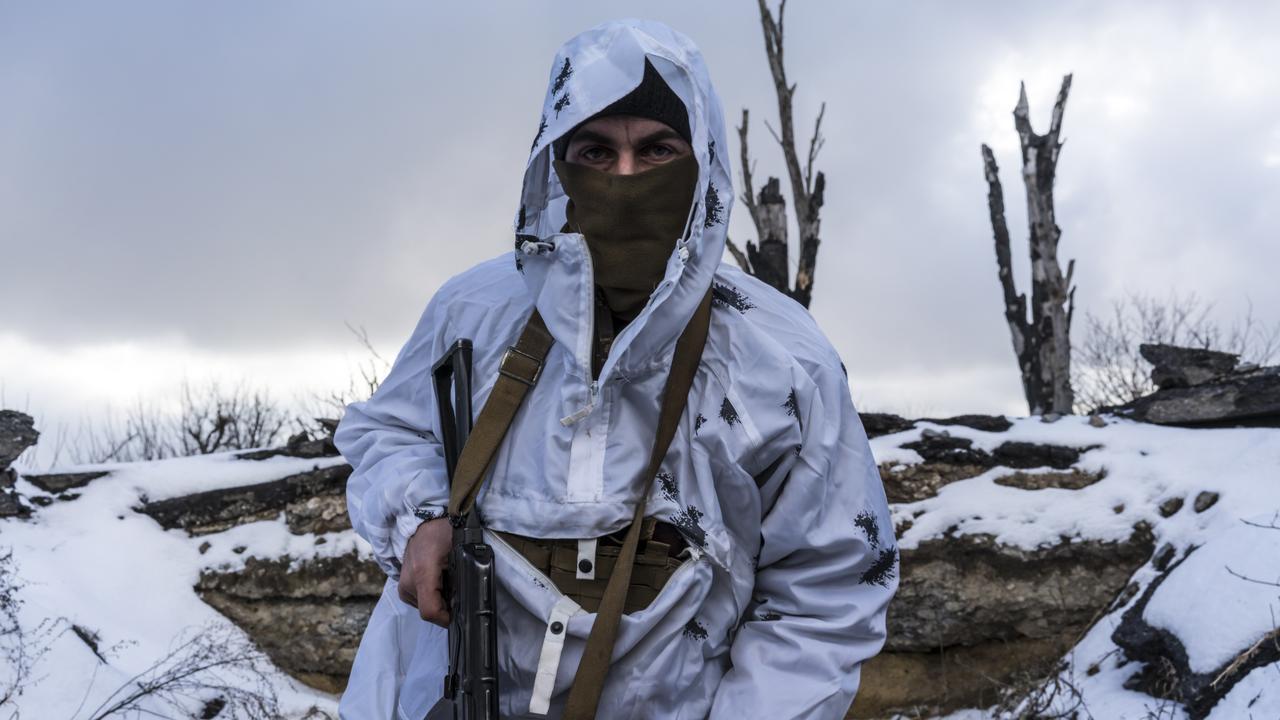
(828,567)
(398,477)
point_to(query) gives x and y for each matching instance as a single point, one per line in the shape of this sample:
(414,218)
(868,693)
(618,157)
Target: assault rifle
(471,687)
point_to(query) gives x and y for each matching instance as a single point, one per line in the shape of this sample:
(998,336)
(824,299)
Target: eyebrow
(591,136)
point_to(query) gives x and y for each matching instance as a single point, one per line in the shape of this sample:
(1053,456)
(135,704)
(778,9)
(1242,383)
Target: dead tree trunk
(770,260)
(1043,343)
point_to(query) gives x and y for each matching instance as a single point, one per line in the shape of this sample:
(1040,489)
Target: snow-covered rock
(102,591)
(1211,619)
(17,433)
(977,540)
(1251,396)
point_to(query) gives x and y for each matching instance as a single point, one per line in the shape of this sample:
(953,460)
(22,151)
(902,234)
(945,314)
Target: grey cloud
(251,176)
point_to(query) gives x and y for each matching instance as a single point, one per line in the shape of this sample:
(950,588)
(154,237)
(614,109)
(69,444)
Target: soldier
(766,558)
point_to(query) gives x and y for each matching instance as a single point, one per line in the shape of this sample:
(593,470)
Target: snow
(98,564)
(1103,693)
(1256,697)
(174,477)
(1242,608)
(1144,464)
(1215,614)
(886,447)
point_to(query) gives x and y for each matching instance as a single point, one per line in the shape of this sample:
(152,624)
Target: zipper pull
(592,390)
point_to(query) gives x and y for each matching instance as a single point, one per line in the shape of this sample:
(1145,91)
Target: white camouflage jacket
(769,477)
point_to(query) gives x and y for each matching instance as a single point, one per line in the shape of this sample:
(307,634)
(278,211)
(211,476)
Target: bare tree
(1043,343)
(770,260)
(1108,368)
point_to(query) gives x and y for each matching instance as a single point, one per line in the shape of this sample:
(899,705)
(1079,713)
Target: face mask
(631,224)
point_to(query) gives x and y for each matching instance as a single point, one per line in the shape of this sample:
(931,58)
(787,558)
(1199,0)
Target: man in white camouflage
(782,555)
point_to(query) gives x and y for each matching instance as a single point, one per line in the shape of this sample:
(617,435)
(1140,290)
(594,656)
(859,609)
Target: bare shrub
(20,649)
(213,669)
(333,403)
(1040,693)
(210,418)
(213,420)
(143,435)
(1109,370)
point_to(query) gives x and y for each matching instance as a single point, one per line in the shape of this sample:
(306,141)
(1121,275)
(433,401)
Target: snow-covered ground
(1205,601)
(95,562)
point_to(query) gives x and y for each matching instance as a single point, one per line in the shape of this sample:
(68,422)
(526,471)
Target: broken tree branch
(769,261)
(1015,305)
(748,198)
(815,144)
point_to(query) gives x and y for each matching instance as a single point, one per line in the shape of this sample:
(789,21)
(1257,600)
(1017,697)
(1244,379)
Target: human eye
(659,151)
(594,153)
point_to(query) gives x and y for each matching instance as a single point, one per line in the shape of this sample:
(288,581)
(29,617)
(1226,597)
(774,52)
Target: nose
(628,163)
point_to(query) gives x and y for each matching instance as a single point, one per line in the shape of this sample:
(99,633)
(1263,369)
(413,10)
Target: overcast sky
(195,189)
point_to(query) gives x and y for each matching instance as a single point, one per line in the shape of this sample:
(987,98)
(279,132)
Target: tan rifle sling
(518,372)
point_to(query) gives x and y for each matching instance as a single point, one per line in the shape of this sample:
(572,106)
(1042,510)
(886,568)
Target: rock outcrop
(918,481)
(971,614)
(941,447)
(307,616)
(1204,388)
(1175,367)
(949,459)
(1164,628)
(301,445)
(988,423)
(311,501)
(17,433)
(877,424)
(969,590)
(62,482)
(11,503)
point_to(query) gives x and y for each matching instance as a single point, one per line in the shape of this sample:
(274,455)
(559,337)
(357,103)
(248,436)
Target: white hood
(590,72)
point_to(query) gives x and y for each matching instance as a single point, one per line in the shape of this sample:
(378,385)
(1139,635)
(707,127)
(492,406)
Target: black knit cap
(652,99)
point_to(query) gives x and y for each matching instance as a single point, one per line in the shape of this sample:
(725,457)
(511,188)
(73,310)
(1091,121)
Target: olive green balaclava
(631,224)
